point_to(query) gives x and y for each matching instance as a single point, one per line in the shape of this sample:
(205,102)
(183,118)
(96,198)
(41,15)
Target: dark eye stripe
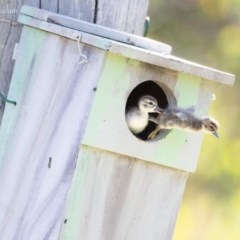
(150,102)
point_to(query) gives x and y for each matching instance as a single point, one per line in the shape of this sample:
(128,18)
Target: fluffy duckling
(173,117)
(137,117)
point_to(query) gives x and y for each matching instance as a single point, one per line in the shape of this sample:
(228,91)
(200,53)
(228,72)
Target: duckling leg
(153,119)
(154,133)
(177,120)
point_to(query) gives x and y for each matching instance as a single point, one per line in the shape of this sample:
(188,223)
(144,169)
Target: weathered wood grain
(81,9)
(117,197)
(148,51)
(31,16)
(134,12)
(52,5)
(54,96)
(10,34)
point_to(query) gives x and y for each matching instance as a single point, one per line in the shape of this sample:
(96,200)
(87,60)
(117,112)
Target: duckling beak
(216,134)
(158,109)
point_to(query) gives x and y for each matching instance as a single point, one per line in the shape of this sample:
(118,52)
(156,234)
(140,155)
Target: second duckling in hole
(138,117)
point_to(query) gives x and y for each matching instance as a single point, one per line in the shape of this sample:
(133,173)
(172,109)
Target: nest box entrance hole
(164,96)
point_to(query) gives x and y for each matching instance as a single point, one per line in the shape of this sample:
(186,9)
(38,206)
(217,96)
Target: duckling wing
(182,118)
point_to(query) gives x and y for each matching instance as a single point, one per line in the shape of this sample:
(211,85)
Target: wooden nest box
(72,82)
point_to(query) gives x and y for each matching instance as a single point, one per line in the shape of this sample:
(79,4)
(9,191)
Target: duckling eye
(212,126)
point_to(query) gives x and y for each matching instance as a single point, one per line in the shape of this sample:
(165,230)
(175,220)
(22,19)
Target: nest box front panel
(124,78)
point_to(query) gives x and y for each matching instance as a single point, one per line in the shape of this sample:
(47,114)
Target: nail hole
(50,162)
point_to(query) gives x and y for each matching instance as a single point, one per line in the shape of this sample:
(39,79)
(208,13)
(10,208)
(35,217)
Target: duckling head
(210,125)
(149,104)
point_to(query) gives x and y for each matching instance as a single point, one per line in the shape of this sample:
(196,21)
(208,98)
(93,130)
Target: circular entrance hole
(164,96)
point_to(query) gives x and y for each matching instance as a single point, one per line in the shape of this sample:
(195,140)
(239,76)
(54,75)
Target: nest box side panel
(107,128)
(30,45)
(118,197)
(40,135)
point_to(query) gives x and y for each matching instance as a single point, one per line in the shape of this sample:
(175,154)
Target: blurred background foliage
(208,32)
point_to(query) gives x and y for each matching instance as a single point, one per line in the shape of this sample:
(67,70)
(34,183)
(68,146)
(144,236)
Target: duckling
(137,117)
(173,117)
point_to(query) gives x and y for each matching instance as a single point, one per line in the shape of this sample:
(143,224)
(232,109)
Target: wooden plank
(159,59)
(111,34)
(174,63)
(96,30)
(133,21)
(116,197)
(52,5)
(81,9)
(128,16)
(40,136)
(10,34)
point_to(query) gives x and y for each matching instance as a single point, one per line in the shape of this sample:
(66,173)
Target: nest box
(132,66)
(72,83)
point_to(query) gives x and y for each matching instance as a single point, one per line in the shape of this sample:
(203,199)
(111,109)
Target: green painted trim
(115,68)
(187,90)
